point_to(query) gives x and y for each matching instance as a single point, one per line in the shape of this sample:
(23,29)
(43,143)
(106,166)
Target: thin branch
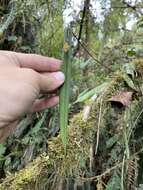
(81,26)
(119,7)
(108,171)
(98,127)
(86,49)
(95,59)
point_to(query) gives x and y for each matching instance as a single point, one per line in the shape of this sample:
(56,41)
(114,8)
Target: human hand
(23,77)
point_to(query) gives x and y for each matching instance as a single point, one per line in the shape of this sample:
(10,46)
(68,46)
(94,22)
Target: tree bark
(87,28)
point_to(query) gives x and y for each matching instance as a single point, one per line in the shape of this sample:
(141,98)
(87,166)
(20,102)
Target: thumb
(51,81)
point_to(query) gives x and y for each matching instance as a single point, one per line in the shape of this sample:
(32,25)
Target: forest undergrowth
(104,146)
(104,143)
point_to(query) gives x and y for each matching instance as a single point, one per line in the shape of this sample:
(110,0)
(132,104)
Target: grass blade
(64,92)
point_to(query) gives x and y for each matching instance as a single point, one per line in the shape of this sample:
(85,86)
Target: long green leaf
(64,92)
(97,90)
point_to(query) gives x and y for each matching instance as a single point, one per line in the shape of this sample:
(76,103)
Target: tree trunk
(87,28)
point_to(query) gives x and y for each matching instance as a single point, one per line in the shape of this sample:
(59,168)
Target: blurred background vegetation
(105,149)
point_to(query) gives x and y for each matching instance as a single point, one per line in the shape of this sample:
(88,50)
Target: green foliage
(38,125)
(130,69)
(112,141)
(131,53)
(2,150)
(112,131)
(129,82)
(114,183)
(94,92)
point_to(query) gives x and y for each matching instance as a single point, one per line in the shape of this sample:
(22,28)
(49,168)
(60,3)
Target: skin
(23,78)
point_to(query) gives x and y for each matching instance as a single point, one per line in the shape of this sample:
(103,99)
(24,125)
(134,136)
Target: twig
(81,26)
(98,128)
(86,49)
(122,174)
(96,60)
(110,169)
(120,7)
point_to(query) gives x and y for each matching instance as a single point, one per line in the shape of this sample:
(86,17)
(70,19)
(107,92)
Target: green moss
(26,178)
(48,171)
(37,174)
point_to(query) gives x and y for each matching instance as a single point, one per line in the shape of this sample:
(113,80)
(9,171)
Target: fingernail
(59,76)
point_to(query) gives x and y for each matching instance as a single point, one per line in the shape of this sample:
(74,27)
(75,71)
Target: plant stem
(64,92)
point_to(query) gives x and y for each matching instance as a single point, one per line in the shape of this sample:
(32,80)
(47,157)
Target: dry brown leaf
(124,98)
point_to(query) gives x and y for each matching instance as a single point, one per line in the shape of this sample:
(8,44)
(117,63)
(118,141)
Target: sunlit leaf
(130,69)
(129,81)
(98,90)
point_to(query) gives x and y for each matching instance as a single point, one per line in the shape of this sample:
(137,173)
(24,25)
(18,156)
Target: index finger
(37,62)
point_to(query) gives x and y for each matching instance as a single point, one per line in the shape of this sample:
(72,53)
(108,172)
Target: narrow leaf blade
(64,92)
